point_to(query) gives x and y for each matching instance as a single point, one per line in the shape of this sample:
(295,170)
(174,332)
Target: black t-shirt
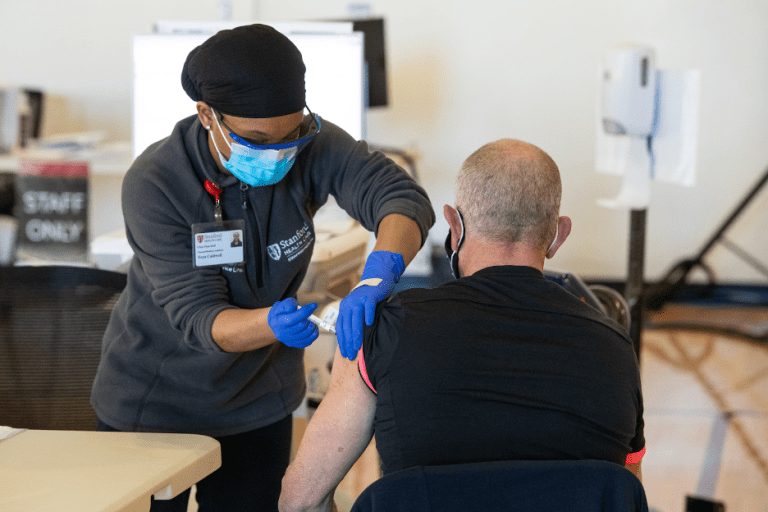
(500,365)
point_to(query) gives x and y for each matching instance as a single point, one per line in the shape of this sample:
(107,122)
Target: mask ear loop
(557,232)
(455,254)
(215,118)
(218,151)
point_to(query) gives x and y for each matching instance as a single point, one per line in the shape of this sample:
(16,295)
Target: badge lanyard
(220,242)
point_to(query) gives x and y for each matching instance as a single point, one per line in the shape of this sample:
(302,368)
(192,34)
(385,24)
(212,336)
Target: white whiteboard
(334,79)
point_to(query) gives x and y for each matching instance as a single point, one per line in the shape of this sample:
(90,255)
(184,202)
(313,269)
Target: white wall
(466,73)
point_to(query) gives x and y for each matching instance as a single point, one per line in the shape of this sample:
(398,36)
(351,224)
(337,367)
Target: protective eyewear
(314,129)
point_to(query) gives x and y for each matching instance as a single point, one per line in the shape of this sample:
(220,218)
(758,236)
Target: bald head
(509,191)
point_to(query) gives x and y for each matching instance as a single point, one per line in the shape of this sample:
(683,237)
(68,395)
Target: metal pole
(733,216)
(665,290)
(633,291)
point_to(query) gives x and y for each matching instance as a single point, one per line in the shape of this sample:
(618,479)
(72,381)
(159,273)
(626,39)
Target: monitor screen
(375,59)
(334,78)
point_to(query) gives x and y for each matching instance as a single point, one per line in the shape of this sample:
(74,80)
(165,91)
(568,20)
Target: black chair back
(509,486)
(52,320)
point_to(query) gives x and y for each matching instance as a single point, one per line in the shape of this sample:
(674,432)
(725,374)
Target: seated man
(501,364)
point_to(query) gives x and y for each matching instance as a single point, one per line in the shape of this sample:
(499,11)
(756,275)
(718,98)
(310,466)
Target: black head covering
(249,71)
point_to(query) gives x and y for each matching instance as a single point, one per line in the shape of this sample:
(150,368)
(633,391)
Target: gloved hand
(381,273)
(290,324)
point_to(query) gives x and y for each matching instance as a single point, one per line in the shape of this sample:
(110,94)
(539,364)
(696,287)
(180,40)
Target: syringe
(328,322)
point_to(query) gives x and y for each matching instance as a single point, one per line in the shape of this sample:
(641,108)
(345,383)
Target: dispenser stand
(633,291)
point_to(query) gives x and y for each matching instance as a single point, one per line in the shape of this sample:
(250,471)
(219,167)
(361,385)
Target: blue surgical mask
(259,165)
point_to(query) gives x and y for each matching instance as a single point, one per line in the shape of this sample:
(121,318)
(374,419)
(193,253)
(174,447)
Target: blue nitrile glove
(361,302)
(290,324)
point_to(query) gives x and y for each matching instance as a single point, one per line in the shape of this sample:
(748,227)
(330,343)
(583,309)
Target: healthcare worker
(207,338)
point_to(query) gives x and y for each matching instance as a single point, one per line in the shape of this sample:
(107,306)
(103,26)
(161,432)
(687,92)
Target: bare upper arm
(335,438)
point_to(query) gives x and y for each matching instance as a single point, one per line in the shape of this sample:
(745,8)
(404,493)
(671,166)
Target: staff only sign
(52,210)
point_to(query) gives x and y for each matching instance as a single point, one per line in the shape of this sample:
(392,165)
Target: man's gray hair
(509,191)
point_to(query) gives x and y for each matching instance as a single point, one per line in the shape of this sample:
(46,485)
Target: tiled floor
(706,410)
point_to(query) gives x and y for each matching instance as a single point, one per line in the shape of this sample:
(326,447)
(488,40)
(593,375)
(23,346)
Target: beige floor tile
(689,379)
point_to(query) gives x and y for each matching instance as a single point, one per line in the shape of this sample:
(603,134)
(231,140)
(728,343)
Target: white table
(53,470)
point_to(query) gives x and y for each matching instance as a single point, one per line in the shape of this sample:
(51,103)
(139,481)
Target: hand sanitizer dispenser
(629,90)
(645,124)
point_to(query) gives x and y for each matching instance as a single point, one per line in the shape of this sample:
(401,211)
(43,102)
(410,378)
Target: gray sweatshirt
(160,368)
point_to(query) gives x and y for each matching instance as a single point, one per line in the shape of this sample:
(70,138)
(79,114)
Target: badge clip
(215,191)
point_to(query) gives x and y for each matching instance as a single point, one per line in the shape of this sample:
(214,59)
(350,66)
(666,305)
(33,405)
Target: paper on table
(6,432)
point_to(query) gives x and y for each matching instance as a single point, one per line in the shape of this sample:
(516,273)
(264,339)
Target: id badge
(218,243)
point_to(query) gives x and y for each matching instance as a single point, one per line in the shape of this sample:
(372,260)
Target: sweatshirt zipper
(256,245)
(243,195)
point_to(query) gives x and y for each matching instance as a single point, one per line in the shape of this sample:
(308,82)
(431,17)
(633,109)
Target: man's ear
(452,216)
(205,114)
(563,230)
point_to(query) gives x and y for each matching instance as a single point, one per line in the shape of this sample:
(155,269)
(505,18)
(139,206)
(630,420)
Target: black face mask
(453,256)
